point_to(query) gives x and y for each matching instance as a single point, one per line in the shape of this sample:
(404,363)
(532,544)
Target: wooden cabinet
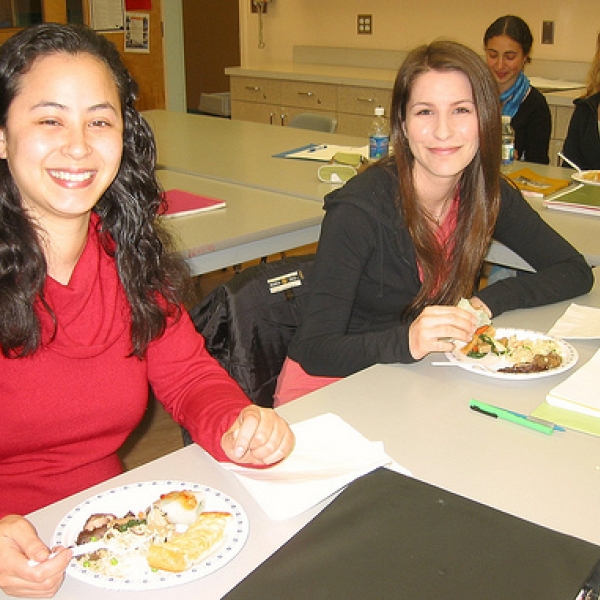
(257,90)
(356,106)
(276,101)
(308,96)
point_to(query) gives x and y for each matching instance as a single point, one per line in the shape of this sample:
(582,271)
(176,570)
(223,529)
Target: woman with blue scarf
(507,43)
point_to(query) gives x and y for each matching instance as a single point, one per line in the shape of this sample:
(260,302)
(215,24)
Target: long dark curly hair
(445,282)
(151,274)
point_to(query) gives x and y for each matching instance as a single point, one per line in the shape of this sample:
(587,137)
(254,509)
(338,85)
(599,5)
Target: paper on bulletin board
(137,32)
(107,15)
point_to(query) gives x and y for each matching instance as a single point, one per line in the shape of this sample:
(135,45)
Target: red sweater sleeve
(193,387)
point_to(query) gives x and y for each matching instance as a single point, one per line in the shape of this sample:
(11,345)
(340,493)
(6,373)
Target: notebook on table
(581,199)
(389,537)
(534,184)
(181,203)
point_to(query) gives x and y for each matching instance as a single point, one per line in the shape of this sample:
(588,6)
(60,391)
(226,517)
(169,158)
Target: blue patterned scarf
(511,99)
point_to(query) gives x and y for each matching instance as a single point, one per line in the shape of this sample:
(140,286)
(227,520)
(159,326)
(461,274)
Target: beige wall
(402,24)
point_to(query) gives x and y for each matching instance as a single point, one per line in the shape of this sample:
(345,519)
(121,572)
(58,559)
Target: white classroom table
(189,464)
(242,152)
(421,414)
(253,224)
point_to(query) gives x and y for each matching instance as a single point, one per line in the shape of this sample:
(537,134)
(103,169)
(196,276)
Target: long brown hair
(445,282)
(593,78)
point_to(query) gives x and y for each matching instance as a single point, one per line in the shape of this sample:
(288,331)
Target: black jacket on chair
(249,321)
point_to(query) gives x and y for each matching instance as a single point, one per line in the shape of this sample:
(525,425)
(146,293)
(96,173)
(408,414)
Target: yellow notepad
(530,182)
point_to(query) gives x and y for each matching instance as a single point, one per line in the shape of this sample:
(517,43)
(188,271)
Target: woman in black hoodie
(582,145)
(404,241)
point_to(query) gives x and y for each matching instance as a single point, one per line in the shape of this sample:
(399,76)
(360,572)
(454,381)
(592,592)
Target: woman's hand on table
(259,436)
(20,544)
(436,329)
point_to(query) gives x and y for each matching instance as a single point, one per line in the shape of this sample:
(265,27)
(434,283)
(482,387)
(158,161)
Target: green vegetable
(131,523)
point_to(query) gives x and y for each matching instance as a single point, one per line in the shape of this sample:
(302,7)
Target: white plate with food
(189,529)
(518,354)
(589,177)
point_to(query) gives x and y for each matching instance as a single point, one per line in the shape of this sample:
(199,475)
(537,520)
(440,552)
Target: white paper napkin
(578,322)
(329,454)
(581,390)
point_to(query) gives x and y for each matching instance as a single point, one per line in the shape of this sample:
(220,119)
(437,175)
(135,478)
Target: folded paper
(329,454)
(578,322)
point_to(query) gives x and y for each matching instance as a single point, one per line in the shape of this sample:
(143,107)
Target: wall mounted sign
(107,15)
(137,32)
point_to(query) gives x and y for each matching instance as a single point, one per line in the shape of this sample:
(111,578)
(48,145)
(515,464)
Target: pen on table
(315,148)
(536,420)
(500,413)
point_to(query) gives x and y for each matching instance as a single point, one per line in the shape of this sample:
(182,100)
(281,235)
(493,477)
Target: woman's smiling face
(442,126)
(63,138)
(506,60)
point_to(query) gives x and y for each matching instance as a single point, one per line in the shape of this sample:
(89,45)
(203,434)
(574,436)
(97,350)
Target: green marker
(500,413)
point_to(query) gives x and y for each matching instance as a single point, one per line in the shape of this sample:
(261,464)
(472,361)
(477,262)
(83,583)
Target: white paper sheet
(578,322)
(581,390)
(329,454)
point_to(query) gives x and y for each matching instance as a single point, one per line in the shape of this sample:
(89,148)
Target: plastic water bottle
(379,135)
(508,142)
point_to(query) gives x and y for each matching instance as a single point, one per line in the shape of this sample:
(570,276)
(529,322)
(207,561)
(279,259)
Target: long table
(242,153)
(421,414)
(254,223)
(190,464)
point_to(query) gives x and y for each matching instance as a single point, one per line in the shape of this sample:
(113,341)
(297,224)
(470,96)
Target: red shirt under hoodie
(68,408)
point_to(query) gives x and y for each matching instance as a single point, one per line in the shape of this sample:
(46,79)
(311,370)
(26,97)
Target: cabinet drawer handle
(309,94)
(253,88)
(359,99)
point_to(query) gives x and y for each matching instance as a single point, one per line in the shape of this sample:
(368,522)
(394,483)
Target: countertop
(370,77)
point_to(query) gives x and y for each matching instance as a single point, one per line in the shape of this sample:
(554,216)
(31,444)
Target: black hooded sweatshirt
(366,273)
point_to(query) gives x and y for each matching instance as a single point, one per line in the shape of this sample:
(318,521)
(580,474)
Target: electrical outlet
(548,32)
(364,24)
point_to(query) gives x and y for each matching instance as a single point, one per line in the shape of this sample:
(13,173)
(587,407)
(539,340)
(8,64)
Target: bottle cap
(379,111)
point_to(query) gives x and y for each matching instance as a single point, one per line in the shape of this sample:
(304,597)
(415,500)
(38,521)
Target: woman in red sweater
(90,312)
